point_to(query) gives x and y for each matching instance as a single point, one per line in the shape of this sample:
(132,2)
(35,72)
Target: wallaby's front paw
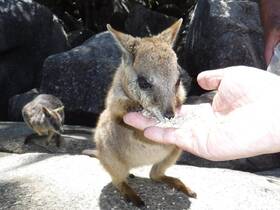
(135,109)
(58,139)
(132,176)
(29,138)
(26,140)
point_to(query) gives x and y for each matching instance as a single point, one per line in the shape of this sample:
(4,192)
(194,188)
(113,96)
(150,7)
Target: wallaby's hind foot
(90,152)
(129,194)
(177,184)
(29,138)
(57,139)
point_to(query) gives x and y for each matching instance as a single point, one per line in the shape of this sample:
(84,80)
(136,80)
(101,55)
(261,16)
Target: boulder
(55,181)
(143,22)
(252,164)
(77,37)
(29,33)
(221,34)
(81,76)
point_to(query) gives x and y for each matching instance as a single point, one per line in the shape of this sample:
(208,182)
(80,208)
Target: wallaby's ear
(59,109)
(169,35)
(125,41)
(47,112)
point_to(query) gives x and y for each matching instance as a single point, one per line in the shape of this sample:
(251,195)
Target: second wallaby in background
(148,78)
(45,116)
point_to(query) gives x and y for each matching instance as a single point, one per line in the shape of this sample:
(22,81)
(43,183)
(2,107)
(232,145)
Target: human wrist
(270,14)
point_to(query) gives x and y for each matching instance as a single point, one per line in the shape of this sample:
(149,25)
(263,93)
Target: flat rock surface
(53,181)
(37,176)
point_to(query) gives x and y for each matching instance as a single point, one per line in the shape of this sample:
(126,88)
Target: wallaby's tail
(90,152)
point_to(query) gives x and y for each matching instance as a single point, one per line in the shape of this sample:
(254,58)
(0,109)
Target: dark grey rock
(253,164)
(170,9)
(221,34)
(17,102)
(203,98)
(77,37)
(29,33)
(81,77)
(143,22)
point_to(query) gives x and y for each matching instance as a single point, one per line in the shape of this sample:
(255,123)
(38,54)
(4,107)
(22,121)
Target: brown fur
(45,116)
(121,147)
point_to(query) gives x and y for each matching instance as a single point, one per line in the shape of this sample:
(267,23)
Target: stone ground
(33,178)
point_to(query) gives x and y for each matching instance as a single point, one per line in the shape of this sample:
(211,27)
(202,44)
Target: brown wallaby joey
(148,78)
(44,115)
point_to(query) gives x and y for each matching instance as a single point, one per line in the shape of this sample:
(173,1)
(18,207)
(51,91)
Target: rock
(17,102)
(77,37)
(81,77)
(221,34)
(170,10)
(48,181)
(29,33)
(253,164)
(75,140)
(144,22)
(203,98)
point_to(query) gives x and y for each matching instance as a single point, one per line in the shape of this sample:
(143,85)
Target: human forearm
(270,17)
(270,13)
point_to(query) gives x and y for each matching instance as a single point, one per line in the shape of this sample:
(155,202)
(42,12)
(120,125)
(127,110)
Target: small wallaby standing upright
(148,78)
(44,115)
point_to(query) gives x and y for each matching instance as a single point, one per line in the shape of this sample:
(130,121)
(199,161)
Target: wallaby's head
(53,118)
(150,72)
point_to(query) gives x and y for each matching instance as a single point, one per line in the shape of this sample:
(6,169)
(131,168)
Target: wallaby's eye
(143,83)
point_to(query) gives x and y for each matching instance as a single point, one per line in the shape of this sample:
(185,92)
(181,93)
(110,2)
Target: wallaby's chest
(126,144)
(139,153)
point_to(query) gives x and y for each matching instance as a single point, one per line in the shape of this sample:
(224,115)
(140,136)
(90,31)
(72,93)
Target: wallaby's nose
(169,114)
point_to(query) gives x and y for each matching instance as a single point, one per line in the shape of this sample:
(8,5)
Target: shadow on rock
(155,195)
(12,194)
(74,141)
(29,161)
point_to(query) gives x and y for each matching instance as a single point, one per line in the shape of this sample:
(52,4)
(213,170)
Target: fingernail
(127,119)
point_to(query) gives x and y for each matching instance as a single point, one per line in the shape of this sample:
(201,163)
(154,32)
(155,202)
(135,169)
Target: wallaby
(44,115)
(148,78)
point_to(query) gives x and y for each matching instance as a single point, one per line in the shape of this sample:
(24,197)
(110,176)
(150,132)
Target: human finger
(210,80)
(138,121)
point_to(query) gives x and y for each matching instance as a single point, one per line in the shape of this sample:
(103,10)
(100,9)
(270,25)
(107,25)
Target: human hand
(270,16)
(242,122)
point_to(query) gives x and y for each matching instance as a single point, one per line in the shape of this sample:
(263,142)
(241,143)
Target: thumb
(180,137)
(210,80)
